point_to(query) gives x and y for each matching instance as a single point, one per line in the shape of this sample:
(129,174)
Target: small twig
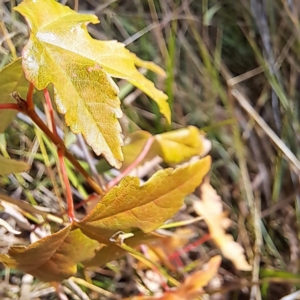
(76,5)
(137,161)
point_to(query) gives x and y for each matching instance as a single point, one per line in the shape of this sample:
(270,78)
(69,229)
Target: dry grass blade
(279,143)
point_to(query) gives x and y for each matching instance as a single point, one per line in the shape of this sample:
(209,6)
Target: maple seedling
(61,54)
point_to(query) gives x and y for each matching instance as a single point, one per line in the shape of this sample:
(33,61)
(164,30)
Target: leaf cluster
(61,54)
(88,97)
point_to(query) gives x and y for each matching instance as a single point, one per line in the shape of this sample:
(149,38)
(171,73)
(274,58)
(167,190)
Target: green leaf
(129,206)
(8,166)
(53,258)
(60,51)
(11,79)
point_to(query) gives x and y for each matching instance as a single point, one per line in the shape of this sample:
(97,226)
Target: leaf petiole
(13,106)
(134,164)
(59,152)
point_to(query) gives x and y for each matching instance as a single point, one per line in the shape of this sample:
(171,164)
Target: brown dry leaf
(193,285)
(210,207)
(130,207)
(54,257)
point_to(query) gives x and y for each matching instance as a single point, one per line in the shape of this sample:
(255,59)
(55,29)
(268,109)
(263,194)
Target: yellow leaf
(11,79)
(60,51)
(149,65)
(119,62)
(210,207)
(84,92)
(129,206)
(173,147)
(180,145)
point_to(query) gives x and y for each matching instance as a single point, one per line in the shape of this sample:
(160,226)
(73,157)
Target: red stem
(13,106)
(67,185)
(61,159)
(90,198)
(154,268)
(137,161)
(175,256)
(178,262)
(29,99)
(50,108)
(196,243)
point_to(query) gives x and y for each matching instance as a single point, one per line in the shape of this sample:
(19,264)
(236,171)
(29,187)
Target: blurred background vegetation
(233,70)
